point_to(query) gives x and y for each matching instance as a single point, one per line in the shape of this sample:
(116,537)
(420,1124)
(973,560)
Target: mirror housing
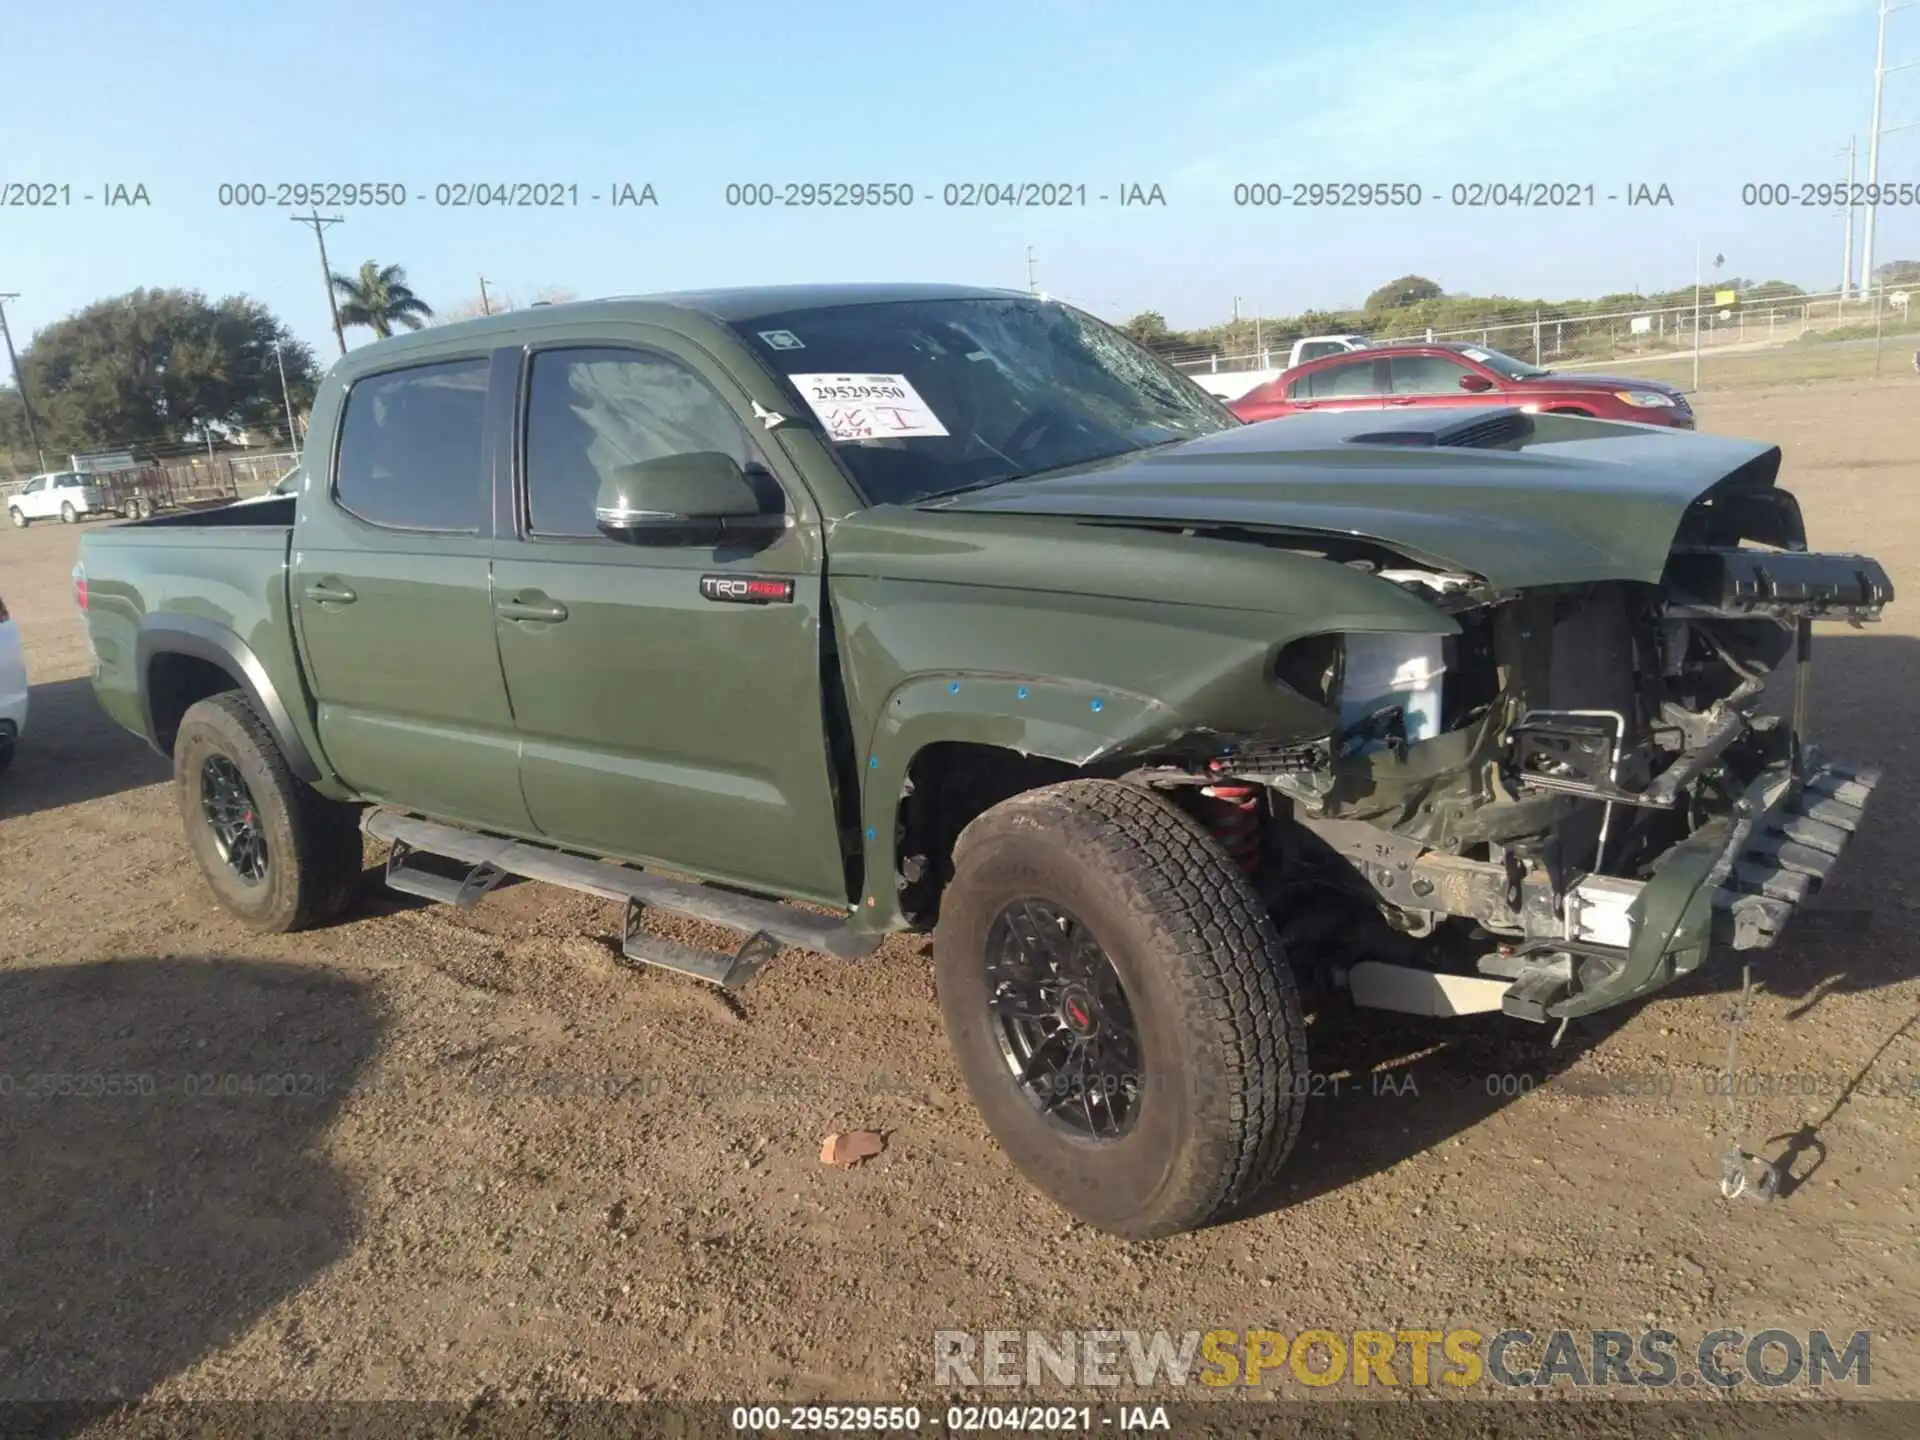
(1475,384)
(673,494)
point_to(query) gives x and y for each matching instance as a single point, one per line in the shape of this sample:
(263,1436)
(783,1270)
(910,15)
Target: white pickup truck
(1232,384)
(64,495)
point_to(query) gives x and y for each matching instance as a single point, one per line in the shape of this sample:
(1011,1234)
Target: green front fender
(1073,721)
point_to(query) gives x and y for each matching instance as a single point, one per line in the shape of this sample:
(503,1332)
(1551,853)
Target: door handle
(542,611)
(330,592)
(1401,400)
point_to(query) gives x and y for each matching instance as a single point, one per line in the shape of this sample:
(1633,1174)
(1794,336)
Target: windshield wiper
(969,486)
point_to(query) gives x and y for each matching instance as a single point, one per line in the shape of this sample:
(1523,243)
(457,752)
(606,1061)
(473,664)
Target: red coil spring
(1233,815)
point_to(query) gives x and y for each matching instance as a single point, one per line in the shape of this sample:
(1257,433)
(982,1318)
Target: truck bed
(196,577)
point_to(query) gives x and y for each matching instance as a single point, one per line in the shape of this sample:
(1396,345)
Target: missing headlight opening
(1491,815)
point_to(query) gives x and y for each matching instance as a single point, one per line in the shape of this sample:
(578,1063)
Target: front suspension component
(1232,813)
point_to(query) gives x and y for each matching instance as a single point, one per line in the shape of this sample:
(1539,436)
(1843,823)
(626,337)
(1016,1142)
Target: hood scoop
(1483,430)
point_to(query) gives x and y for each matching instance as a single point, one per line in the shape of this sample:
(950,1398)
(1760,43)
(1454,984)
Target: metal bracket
(408,877)
(639,947)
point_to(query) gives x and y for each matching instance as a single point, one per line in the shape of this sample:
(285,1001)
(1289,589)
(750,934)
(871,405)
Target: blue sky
(1700,96)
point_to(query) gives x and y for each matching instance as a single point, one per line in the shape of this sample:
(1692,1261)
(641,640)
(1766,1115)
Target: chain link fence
(1547,335)
(201,480)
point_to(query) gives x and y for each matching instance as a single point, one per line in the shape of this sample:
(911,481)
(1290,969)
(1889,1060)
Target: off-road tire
(313,843)
(1221,1035)
(67,513)
(19,518)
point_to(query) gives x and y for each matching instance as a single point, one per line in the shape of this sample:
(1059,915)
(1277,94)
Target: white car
(13,687)
(63,495)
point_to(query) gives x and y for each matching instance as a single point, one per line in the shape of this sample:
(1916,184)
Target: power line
(319,223)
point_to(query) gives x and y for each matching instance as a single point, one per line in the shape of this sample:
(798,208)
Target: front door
(661,719)
(390,584)
(32,502)
(1426,380)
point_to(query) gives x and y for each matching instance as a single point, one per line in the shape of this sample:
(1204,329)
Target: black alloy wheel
(234,819)
(1062,1019)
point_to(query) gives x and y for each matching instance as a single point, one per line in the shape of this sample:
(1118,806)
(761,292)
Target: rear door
(1357,384)
(660,719)
(391,589)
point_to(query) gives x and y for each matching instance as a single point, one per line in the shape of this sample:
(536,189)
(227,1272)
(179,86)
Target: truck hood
(1569,500)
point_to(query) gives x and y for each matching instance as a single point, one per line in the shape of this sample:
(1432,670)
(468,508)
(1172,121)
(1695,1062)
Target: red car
(1447,374)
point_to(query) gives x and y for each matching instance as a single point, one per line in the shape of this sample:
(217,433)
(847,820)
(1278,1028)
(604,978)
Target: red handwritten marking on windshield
(849,425)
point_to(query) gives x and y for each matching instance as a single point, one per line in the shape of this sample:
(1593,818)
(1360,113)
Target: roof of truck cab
(728,305)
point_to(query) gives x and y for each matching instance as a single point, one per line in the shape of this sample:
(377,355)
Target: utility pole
(1846,268)
(286,397)
(486,306)
(319,223)
(1032,288)
(26,402)
(1696,315)
(1880,72)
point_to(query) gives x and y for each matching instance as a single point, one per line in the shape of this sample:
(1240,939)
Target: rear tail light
(80,586)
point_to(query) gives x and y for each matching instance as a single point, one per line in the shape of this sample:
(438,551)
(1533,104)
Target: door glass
(1426,375)
(1339,382)
(593,411)
(411,448)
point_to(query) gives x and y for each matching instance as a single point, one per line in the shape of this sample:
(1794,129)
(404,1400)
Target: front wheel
(18,516)
(1119,1003)
(67,515)
(279,855)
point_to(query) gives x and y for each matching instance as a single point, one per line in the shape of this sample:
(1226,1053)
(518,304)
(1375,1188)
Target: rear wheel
(279,855)
(1119,1003)
(67,515)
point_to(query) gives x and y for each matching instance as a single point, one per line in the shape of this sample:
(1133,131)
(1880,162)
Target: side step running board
(768,924)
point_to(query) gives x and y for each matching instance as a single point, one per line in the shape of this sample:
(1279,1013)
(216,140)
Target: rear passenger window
(411,452)
(1338,381)
(592,411)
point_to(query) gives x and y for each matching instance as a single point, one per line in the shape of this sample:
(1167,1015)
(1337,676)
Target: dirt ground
(514,1167)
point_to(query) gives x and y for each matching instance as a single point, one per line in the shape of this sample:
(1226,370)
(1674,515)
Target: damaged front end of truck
(1593,770)
(1571,800)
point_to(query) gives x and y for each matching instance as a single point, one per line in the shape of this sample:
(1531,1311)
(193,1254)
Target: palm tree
(378,298)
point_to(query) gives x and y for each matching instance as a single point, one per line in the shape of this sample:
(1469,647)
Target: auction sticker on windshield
(868,407)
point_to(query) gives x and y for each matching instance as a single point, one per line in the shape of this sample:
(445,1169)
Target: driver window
(592,411)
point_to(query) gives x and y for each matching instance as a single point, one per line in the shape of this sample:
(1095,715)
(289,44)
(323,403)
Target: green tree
(160,367)
(1149,327)
(1407,290)
(379,298)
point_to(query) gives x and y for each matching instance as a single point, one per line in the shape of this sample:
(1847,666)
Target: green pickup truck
(825,612)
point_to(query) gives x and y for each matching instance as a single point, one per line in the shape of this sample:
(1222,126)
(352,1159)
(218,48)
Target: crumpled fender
(1070,720)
